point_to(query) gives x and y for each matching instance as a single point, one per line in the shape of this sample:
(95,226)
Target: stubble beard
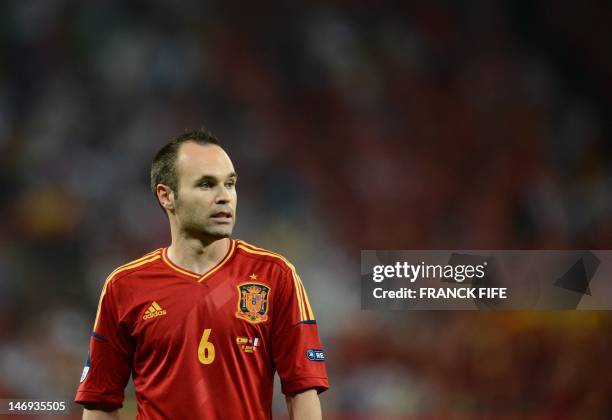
(195,225)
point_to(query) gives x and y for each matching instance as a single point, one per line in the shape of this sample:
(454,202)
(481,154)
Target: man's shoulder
(139,265)
(265,255)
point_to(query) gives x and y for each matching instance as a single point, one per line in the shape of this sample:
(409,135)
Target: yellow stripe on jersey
(200,277)
(156,306)
(307,302)
(306,313)
(151,256)
(176,267)
(298,293)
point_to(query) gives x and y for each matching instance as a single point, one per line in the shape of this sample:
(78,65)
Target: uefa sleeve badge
(86,368)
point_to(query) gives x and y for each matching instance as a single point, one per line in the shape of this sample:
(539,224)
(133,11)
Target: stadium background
(397,125)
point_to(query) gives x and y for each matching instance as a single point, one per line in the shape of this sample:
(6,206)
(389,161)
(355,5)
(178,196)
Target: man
(203,324)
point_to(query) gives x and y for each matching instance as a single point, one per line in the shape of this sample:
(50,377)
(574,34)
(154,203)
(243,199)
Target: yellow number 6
(206,349)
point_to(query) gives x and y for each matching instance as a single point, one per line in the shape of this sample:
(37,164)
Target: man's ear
(165,196)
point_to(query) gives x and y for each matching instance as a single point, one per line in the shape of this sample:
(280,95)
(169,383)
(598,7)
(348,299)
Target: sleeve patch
(315,355)
(86,368)
(84,374)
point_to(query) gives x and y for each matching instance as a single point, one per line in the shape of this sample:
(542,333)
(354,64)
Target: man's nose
(223,195)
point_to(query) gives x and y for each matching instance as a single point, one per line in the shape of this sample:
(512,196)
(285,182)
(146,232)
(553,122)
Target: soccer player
(203,324)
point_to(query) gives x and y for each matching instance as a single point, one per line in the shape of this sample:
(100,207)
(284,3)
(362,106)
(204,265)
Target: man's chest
(227,317)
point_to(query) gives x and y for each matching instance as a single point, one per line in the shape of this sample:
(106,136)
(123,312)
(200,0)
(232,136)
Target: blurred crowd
(352,125)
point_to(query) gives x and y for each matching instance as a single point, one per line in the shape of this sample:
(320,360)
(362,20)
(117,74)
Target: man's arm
(304,406)
(94,414)
(109,360)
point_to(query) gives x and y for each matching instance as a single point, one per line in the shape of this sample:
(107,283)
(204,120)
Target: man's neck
(194,255)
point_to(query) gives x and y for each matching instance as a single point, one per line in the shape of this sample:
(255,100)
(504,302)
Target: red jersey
(203,346)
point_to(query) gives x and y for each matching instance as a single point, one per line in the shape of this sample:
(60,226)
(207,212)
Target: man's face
(206,202)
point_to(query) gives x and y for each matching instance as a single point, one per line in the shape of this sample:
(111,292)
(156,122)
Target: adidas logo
(153,311)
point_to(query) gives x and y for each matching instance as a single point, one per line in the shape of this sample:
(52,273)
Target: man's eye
(205,185)
(230,184)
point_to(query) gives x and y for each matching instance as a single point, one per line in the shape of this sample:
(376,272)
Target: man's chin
(209,235)
(220,233)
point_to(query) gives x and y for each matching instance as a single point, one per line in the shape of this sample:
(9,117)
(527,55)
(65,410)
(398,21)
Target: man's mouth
(222,215)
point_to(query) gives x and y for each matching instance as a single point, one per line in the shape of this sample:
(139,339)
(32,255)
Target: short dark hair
(163,168)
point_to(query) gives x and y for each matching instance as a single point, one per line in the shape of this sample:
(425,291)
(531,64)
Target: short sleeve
(296,347)
(108,365)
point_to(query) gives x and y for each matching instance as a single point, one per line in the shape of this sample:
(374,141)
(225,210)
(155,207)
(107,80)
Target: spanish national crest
(253,302)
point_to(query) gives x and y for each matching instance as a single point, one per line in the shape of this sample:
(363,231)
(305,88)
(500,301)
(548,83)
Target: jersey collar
(194,275)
